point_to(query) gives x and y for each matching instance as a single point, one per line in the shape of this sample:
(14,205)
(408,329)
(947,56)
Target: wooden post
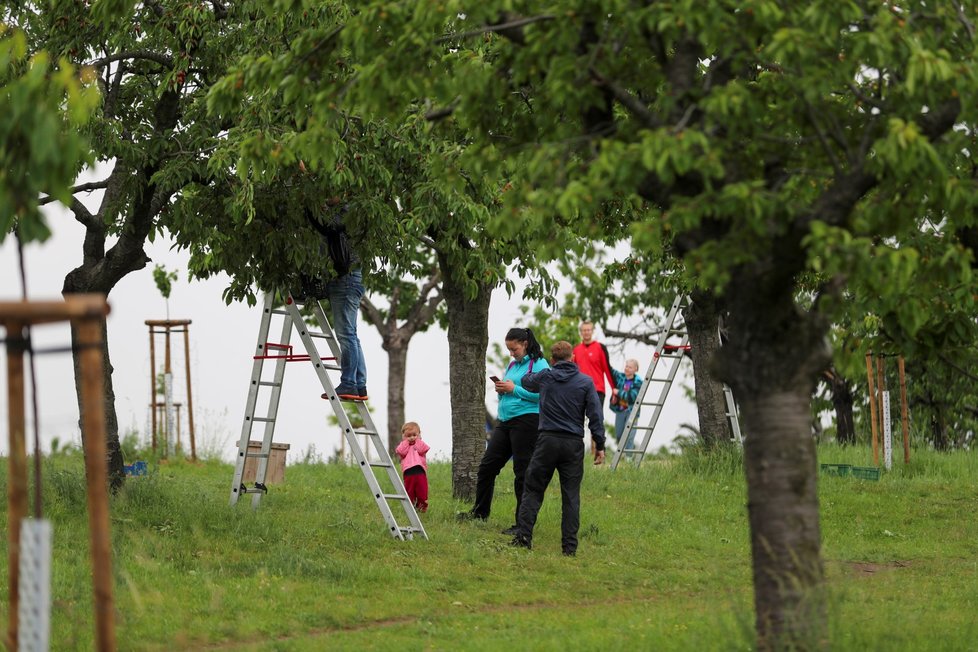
(17,469)
(872,408)
(87,313)
(93,435)
(152,381)
(880,388)
(190,400)
(904,417)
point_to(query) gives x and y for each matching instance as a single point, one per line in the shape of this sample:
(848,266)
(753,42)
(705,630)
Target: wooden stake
(152,382)
(93,435)
(880,388)
(190,400)
(17,470)
(872,408)
(904,417)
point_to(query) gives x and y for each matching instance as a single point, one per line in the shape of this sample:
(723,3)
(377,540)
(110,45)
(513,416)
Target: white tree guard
(887,433)
(171,421)
(34,589)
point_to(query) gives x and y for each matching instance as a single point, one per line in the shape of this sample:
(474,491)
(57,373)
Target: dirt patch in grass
(863,568)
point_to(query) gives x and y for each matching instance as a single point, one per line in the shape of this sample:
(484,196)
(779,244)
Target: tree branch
(148,55)
(85,187)
(634,105)
(371,313)
(509,29)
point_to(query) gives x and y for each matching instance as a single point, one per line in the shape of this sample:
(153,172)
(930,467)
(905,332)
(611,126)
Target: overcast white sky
(222,342)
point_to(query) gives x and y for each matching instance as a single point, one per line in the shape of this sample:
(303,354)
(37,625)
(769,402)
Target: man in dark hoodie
(566,397)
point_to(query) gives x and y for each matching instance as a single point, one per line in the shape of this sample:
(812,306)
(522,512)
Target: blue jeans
(620,419)
(344,301)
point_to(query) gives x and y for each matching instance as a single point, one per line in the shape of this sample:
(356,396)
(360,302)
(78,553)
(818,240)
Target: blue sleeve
(524,393)
(619,378)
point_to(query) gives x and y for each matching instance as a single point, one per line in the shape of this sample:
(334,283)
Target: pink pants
(417,490)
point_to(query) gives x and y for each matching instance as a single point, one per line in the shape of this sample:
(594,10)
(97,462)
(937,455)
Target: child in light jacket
(414,465)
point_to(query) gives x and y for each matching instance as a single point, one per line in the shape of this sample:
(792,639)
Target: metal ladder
(673,354)
(282,352)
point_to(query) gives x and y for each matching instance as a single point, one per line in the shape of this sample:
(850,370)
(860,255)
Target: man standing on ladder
(344,290)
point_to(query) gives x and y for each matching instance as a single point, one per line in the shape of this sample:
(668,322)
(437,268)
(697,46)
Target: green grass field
(663,562)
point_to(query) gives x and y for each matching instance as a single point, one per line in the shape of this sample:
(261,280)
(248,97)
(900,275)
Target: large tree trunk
(468,340)
(113,449)
(773,358)
(702,322)
(397,350)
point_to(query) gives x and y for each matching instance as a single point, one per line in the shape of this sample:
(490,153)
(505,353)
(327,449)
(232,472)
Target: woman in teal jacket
(516,434)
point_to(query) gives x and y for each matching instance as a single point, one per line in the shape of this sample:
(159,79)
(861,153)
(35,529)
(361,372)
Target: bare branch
(147,55)
(371,313)
(85,187)
(968,25)
(501,27)
(634,105)
(823,139)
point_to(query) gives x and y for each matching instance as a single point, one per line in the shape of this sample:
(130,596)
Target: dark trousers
(514,438)
(566,456)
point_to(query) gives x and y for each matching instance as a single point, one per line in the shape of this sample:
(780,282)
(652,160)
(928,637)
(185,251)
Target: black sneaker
(511,530)
(521,542)
(469,516)
(567,552)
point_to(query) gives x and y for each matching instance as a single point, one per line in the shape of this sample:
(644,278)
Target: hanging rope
(38,506)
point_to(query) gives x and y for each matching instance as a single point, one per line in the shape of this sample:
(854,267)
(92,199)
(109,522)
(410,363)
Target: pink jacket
(413,455)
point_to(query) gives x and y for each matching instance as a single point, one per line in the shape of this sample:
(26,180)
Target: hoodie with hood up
(566,396)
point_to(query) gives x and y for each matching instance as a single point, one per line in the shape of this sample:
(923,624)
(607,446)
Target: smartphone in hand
(494,379)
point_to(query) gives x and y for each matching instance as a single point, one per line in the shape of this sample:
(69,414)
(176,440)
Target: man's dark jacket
(566,397)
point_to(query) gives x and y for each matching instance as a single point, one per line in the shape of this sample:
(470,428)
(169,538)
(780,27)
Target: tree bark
(702,321)
(113,449)
(397,352)
(396,340)
(468,341)
(772,361)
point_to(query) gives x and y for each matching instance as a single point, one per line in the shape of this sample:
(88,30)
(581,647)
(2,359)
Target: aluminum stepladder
(671,354)
(281,352)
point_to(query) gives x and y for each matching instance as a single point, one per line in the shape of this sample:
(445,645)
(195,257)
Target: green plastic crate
(866,472)
(841,470)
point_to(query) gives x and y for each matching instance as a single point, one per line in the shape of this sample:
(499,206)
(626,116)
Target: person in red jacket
(592,359)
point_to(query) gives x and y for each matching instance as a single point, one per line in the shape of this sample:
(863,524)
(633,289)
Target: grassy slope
(663,562)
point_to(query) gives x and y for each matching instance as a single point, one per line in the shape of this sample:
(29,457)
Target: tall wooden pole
(167,371)
(190,400)
(904,417)
(17,469)
(880,388)
(872,408)
(93,434)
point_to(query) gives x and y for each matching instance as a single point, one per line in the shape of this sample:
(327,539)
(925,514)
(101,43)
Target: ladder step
(372,433)
(263,419)
(381,465)
(395,497)
(268,383)
(258,454)
(279,311)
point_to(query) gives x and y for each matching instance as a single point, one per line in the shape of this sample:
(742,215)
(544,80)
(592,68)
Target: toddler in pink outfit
(412,452)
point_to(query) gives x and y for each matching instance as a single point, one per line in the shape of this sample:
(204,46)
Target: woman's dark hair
(526,335)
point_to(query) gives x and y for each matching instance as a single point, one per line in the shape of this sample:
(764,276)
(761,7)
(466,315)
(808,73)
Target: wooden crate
(276,463)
